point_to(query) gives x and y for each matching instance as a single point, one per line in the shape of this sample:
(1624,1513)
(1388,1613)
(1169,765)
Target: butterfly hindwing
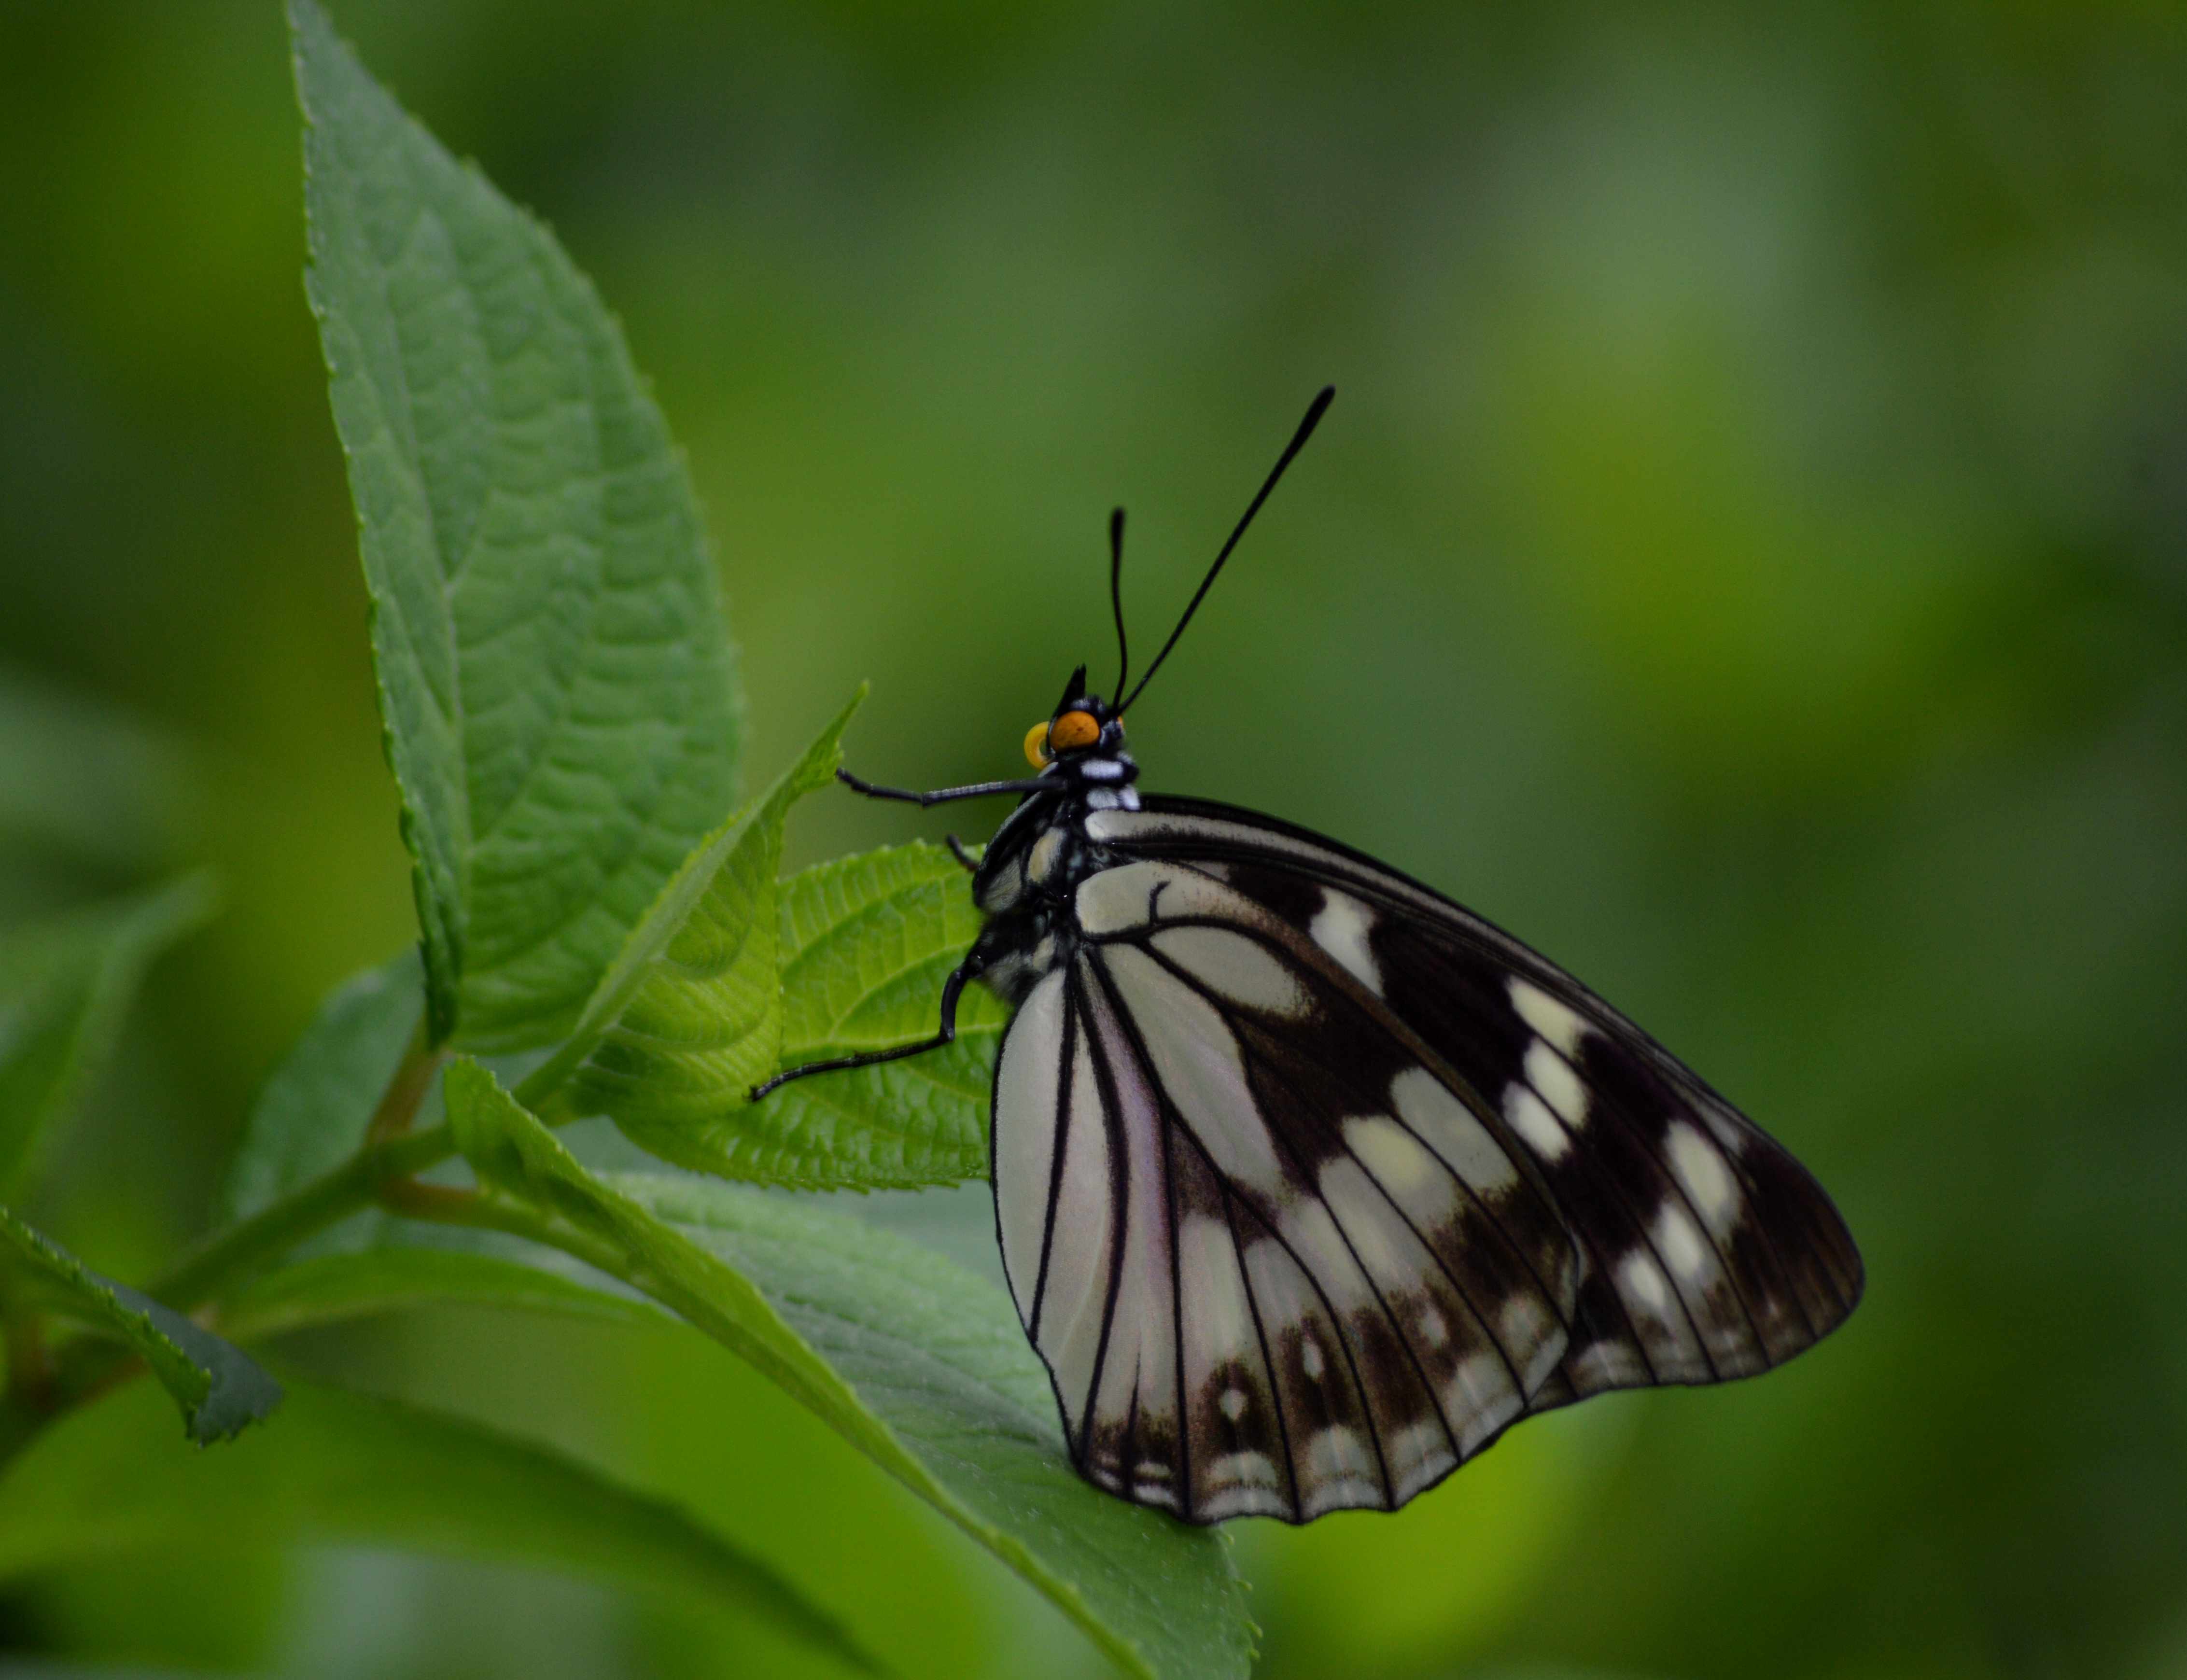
(1705,1251)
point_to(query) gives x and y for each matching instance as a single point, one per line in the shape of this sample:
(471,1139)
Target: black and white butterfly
(1309,1182)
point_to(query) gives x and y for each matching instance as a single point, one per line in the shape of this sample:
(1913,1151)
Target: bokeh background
(1747,557)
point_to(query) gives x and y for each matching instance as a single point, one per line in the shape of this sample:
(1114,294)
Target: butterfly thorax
(1029,878)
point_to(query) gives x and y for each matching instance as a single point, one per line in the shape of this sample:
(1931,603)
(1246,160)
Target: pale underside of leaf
(329,1289)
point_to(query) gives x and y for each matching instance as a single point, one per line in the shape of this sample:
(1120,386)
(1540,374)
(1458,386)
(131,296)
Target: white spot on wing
(1449,1128)
(1433,1330)
(1334,1452)
(1605,1364)
(1310,1356)
(1731,1139)
(1479,1399)
(1342,927)
(1233,1403)
(1241,970)
(1116,900)
(1416,1455)
(1680,1244)
(1523,1323)
(1313,1236)
(1530,1117)
(1533,1337)
(1337,1473)
(1557,1022)
(1247,1469)
(1701,1172)
(1225,1503)
(1393,1155)
(1552,1075)
(1413,1178)
(1640,1279)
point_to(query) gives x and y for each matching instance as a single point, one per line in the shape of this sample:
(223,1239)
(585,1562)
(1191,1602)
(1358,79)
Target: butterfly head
(1081,724)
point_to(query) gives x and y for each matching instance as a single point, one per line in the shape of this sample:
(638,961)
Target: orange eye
(1037,752)
(1072,732)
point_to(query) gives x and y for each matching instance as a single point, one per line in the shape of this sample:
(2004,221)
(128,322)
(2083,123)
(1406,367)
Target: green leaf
(329,1288)
(866,944)
(218,1388)
(347,1467)
(556,683)
(65,987)
(689,1019)
(312,1113)
(918,1364)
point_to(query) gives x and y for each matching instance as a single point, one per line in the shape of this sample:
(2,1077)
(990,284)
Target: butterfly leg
(957,850)
(951,988)
(942,796)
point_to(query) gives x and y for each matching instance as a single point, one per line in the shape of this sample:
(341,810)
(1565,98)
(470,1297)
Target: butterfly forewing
(1706,1251)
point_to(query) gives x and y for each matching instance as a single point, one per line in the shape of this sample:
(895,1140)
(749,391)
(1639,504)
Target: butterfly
(1310,1182)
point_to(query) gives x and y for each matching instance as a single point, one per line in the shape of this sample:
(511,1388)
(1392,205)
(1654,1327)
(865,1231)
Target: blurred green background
(1747,557)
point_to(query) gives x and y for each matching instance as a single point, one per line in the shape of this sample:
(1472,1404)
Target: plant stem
(29,1371)
(390,1152)
(228,1257)
(29,1394)
(486,1211)
(390,1156)
(406,1089)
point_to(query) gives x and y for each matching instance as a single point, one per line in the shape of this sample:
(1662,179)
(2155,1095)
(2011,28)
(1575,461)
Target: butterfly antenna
(1117,595)
(1315,410)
